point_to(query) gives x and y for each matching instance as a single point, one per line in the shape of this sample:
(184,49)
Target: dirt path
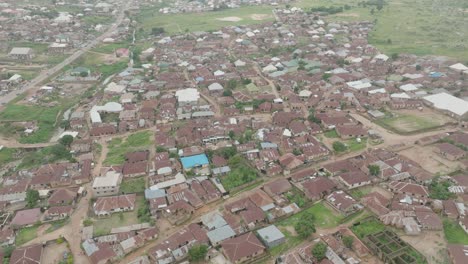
(13,143)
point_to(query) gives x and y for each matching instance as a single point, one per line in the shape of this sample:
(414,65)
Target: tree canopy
(32,197)
(319,251)
(197,252)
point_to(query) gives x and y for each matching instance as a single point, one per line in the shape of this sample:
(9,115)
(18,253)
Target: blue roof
(194,161)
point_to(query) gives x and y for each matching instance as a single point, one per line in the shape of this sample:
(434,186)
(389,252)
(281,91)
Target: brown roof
(458,253)
(314,188)
(26,217)
(260,198)
(67,209)
(278,187)
(27,255)
(107,204)
(136,156)
(450,149)
(243,246)
(429,219)
(302,174)
(64,195)
(354,177)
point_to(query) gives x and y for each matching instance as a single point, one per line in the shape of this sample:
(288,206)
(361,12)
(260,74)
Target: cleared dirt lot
(431,244)
(53,253)
(425,156)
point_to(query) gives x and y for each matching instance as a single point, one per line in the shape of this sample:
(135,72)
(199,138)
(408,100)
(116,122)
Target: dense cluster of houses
(265,93)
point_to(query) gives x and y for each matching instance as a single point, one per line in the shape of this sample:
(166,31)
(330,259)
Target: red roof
(243,246)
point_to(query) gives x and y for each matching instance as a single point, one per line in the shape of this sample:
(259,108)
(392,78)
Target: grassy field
(103,226)
(45,117)
(118,147)
(420,27)
(325,216)
(6,155)
(358,193)
(454,233)
(331,134)
(407,123)
(26,234)
(179,23)
(133,186)
(368,227)
(353,145)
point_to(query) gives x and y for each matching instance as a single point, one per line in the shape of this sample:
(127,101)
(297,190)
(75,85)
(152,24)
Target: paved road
(44,75)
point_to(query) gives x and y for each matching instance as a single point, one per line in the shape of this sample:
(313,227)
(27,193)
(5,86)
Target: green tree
(66,140)
(231,84)
(32,197)
(197,253)
(348,241)
(304,229)
(418,67)
(326,76)
(231,134)
(374,170)
(319,251)
(395,56)
(227,93)
(339,146)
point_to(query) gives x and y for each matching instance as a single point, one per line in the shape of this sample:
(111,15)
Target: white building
(453,106)
(108,184)
(187,96)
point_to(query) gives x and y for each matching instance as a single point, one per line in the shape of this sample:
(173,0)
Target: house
(277,187)
(354,179)
(316,188)
(20,53)
(14,192)
(271,236)
(458,253)
(348,132)
(429,220)
(463,222)
(27,255)
(26,217)
(449,104)
(220,234)
(105,206)
(58,212)
(449,151)
(242,248)
(98,253)
(195,161)
(64,196)
(343,203)
(407,188)
(81,145)
(108,184)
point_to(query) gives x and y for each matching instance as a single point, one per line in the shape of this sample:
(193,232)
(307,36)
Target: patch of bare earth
(230,19)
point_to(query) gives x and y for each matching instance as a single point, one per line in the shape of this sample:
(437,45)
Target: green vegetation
(348,241)
(133,186)
(331,134)
(367,227)
(319,250)
(374,170)
(94,20)
(7,155)
(297,197)
(178,23)
(57,224)
(197,253)
(353,144)
(240,174)
(305,226)
(438,189)
(45,155)
(144,213)
(454,233)
(26,234)
(339,146)
(32,197)
(103,226)
(324,217)
(358,193)
(406,123)
(118,148)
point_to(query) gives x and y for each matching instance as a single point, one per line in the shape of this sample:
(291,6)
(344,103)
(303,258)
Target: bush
(197,253)
(339,146)
(319,251)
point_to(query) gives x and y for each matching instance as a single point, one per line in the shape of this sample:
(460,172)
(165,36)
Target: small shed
(271,236)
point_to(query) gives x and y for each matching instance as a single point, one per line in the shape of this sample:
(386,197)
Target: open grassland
(454,233)
(325,217)
(118,147)
(179,23)
(402,122)
(421,27)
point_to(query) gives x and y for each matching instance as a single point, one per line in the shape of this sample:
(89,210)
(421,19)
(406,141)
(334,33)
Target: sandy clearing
(230,19)
(259,16)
